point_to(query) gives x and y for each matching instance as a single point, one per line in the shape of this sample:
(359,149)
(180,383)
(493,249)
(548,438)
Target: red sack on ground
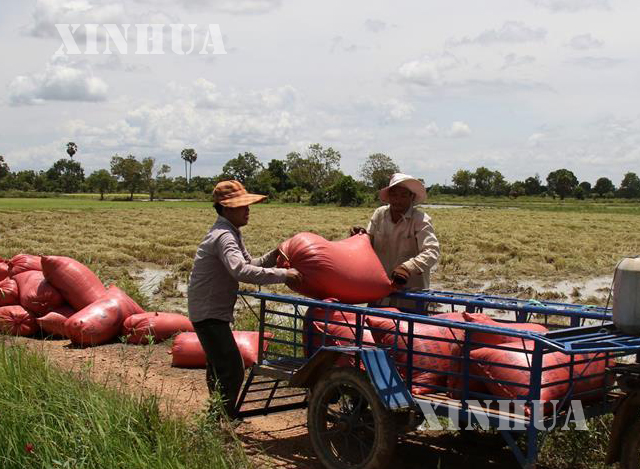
(160,326)
(15,320)
(348,270)
(75,281)
(36,294)
(53,323)
(9,294)
(128,306)
(23,263)
(487,338)
(441,340)
(96,324)
(500,369)
(4,269)
(186,351)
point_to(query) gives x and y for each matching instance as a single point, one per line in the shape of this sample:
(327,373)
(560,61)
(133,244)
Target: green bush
(57,419)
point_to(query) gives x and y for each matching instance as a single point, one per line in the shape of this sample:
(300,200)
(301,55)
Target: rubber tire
(385,434)
(630,450)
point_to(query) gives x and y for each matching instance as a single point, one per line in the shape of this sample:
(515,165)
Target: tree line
(312,177)
(559,183)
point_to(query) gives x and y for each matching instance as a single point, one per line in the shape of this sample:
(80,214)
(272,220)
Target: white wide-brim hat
(409,182)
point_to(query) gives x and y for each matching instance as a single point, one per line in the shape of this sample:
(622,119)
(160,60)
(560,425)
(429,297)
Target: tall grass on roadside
(57,419)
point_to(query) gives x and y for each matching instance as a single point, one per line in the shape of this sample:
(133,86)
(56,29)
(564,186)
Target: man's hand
(294,278)
(357,230)
(400,275)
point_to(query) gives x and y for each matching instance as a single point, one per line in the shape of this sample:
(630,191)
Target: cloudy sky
(521,86)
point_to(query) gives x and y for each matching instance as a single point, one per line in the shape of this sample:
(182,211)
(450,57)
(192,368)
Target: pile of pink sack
(61,297)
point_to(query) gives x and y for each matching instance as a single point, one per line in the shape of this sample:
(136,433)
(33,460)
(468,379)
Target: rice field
(500,249)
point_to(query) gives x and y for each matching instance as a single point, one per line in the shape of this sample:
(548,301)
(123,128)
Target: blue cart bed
(410,374)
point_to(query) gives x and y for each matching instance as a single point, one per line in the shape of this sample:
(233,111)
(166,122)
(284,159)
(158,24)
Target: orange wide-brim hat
(233,194)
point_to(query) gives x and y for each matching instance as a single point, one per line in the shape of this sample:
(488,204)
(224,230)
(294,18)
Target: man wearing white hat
(403,236)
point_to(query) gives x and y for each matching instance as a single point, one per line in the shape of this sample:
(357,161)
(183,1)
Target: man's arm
(243,271)
(268,260)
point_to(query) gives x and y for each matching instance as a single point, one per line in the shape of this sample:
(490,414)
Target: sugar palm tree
(190,156)
(72,149)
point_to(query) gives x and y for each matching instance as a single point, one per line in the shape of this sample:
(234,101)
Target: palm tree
(72,149)
(190,156)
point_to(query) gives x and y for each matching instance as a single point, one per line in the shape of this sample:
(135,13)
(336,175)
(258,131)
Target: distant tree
(463,181)
(72,149)
(4,168)
(26,180)
(562,182)
(203,184)
(102,182)
(242,168)
(630,186)
(482,180)
(129,171)
(151,173)
(278,170)
(66,176)
(190,156)
(346,191)
(586,188)
(377,170)
(262,183)
(579,193)
(533,185)
(517,189)
(318,170)
(603,186)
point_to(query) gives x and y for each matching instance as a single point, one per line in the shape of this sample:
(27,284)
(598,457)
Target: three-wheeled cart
(360,394)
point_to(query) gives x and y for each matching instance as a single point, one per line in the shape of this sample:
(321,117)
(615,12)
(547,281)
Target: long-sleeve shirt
(411,242)
(221,262)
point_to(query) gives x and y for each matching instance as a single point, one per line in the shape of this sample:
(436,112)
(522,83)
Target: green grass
(58,419)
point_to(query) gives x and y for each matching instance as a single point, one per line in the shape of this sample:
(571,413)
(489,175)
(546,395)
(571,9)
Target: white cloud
(572,5)
(584,42)
(428,70)
(536,140)
(375,26)
(398,110)
(205,94)
(338,43)
(510,32)
(48,13)
(232,7)
(459,129)
(513,60)
(61,80)
(596,63)
(432,129)
(256,118)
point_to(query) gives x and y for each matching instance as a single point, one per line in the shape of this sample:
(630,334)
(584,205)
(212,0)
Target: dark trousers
(224,362)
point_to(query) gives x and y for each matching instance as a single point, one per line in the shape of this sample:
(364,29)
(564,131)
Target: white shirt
(411,242)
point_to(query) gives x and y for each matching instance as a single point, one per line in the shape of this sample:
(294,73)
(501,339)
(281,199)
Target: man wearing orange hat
(221,262)
(403,236)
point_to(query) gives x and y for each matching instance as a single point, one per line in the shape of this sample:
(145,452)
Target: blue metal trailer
(360,394)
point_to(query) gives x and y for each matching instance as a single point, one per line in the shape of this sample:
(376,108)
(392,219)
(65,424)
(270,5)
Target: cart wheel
(348,425)
(630,454)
